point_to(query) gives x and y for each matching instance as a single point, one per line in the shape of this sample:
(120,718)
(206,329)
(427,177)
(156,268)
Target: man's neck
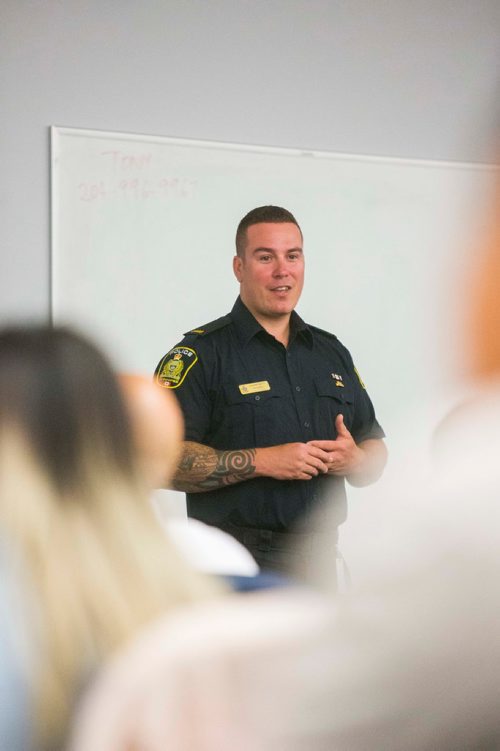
(278,327)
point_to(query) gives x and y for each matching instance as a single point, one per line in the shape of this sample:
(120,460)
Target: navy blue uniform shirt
(240,388)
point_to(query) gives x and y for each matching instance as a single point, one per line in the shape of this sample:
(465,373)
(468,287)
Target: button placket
(298,395)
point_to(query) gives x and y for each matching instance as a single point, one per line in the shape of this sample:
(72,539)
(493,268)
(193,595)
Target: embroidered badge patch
(175,366)
(254,388)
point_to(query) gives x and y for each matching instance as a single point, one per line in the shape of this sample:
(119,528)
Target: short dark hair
(260,215)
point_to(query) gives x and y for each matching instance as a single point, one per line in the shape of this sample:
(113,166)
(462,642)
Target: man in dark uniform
(275,413)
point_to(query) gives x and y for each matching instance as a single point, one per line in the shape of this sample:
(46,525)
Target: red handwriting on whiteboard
(91,191)
(138,189)
(120,161)
(131,175)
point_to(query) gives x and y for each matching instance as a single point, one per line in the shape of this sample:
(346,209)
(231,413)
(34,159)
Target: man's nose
(280,268)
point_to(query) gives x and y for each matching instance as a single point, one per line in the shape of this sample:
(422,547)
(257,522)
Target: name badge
(254,388)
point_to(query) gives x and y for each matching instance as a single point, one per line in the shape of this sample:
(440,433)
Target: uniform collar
(247,326)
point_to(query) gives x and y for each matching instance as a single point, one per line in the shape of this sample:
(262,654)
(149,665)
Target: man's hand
(292,461)
(361,464)
(344,455)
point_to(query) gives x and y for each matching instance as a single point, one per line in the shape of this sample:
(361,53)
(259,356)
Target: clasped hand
(344,455)
(302,461)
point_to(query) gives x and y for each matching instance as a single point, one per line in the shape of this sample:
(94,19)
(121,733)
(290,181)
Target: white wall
(393,77)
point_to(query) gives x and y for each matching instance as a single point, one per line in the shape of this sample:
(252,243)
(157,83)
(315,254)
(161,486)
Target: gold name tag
(253,388)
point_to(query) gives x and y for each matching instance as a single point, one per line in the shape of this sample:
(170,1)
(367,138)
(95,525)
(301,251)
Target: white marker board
(143,237)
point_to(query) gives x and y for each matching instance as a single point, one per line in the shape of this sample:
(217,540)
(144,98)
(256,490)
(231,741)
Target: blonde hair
(98,562)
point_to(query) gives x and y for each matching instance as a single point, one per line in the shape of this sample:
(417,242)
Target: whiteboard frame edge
(60,131)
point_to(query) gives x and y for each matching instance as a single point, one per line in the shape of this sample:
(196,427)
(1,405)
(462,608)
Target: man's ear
(237,267)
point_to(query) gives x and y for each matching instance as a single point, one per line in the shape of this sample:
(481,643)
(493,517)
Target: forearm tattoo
(204,468)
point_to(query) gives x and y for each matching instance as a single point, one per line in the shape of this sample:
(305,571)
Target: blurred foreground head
(59,396)
(157,427)
(75,511)
(484,313)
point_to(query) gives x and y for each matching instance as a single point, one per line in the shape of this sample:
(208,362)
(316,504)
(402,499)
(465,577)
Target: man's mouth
(283,288)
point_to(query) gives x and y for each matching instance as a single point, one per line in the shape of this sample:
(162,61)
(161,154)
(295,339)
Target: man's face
(271,271)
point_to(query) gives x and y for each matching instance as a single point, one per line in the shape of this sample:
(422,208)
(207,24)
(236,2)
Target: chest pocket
(331,401)
(249,420)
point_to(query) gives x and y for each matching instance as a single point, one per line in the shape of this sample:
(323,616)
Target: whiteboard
(143,238)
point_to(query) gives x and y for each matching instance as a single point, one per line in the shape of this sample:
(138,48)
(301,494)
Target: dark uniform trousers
(291,552)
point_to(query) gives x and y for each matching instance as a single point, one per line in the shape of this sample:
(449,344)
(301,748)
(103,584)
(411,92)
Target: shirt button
(257,398)
(297,388)
(307,424)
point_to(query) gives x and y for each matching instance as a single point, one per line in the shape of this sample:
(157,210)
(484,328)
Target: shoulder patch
(175,366)
(360,379)
(219,323)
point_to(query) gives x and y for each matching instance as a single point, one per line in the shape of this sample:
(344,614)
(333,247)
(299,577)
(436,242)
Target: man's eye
(265,259)
(293,256)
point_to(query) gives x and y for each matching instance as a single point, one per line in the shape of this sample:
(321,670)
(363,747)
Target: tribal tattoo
(204,468)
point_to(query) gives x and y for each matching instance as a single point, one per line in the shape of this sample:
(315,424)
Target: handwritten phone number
(138,189)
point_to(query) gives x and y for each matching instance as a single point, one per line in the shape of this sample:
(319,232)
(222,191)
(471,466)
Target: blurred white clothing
(412,659)
(206,548)
(209,549)
(203,679)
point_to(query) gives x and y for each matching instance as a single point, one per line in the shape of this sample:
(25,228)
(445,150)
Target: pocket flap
(328,387)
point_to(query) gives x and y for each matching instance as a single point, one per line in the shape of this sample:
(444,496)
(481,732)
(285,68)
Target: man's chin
(279,311)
